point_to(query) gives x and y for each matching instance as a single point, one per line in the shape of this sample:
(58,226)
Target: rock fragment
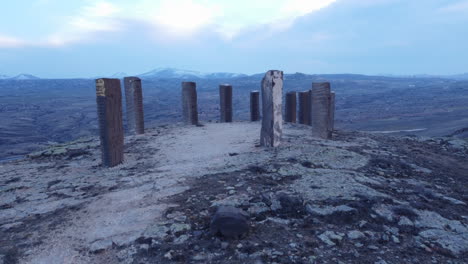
(229,222)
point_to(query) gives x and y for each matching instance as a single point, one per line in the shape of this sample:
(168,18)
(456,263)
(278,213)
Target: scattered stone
(144,247)
(290,204)
(156,231)
(454,243)
(169,255)
(100,245)
(384,212)
(200,257)
(181,239)
(405,221)
(380,262)
(229,222)
(330,238)
(355,234)
(329,210)
(178,228)
(258,208)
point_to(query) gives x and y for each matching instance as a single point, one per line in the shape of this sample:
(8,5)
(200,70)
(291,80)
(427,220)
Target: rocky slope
(359,198)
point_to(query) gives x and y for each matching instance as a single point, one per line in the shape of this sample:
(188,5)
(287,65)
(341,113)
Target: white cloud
(10,42)
(174,18)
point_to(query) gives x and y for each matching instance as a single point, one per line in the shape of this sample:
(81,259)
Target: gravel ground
(359,198)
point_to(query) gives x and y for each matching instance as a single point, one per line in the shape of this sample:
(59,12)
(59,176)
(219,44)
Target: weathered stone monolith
(134,104)
(291,107)
(225,99)
(304,107)
(254,106)
(189,103)
(109,111)
(321,110)
(332,111)
(272,109)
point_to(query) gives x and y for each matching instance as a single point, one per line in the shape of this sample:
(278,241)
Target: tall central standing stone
(321,97)
(109,110)
(134,103)
(225,101)
(189,103)
(272,122)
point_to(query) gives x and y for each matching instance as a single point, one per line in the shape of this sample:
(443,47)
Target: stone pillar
(225,99)
(134,103)
(291,107)
(321,110)
(332,111)
(254,106)
(272,109)
(304,107)
(189,103)
(109,111)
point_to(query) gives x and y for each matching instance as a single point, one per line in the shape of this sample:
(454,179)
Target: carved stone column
(254,106)
(189,103)
(134,103)
(321,110)
(109,111)
(225,99)
(291,107)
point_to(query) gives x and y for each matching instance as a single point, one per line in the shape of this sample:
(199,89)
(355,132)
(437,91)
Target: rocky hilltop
(359,198)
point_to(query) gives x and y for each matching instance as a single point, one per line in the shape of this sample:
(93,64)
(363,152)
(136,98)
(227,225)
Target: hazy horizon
(82,39)
(120,74)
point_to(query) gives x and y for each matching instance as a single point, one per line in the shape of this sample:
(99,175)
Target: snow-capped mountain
(119,75)
(24,76)
(3,77)
(186,74)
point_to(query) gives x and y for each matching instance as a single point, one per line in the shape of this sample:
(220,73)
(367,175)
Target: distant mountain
(3,77)
(24,76)
(171,73)
(463,76)
(460,77)
(119,75)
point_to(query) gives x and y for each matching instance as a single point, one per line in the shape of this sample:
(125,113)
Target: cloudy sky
(84,38)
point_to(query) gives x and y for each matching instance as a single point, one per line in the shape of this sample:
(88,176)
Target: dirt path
(75,205)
